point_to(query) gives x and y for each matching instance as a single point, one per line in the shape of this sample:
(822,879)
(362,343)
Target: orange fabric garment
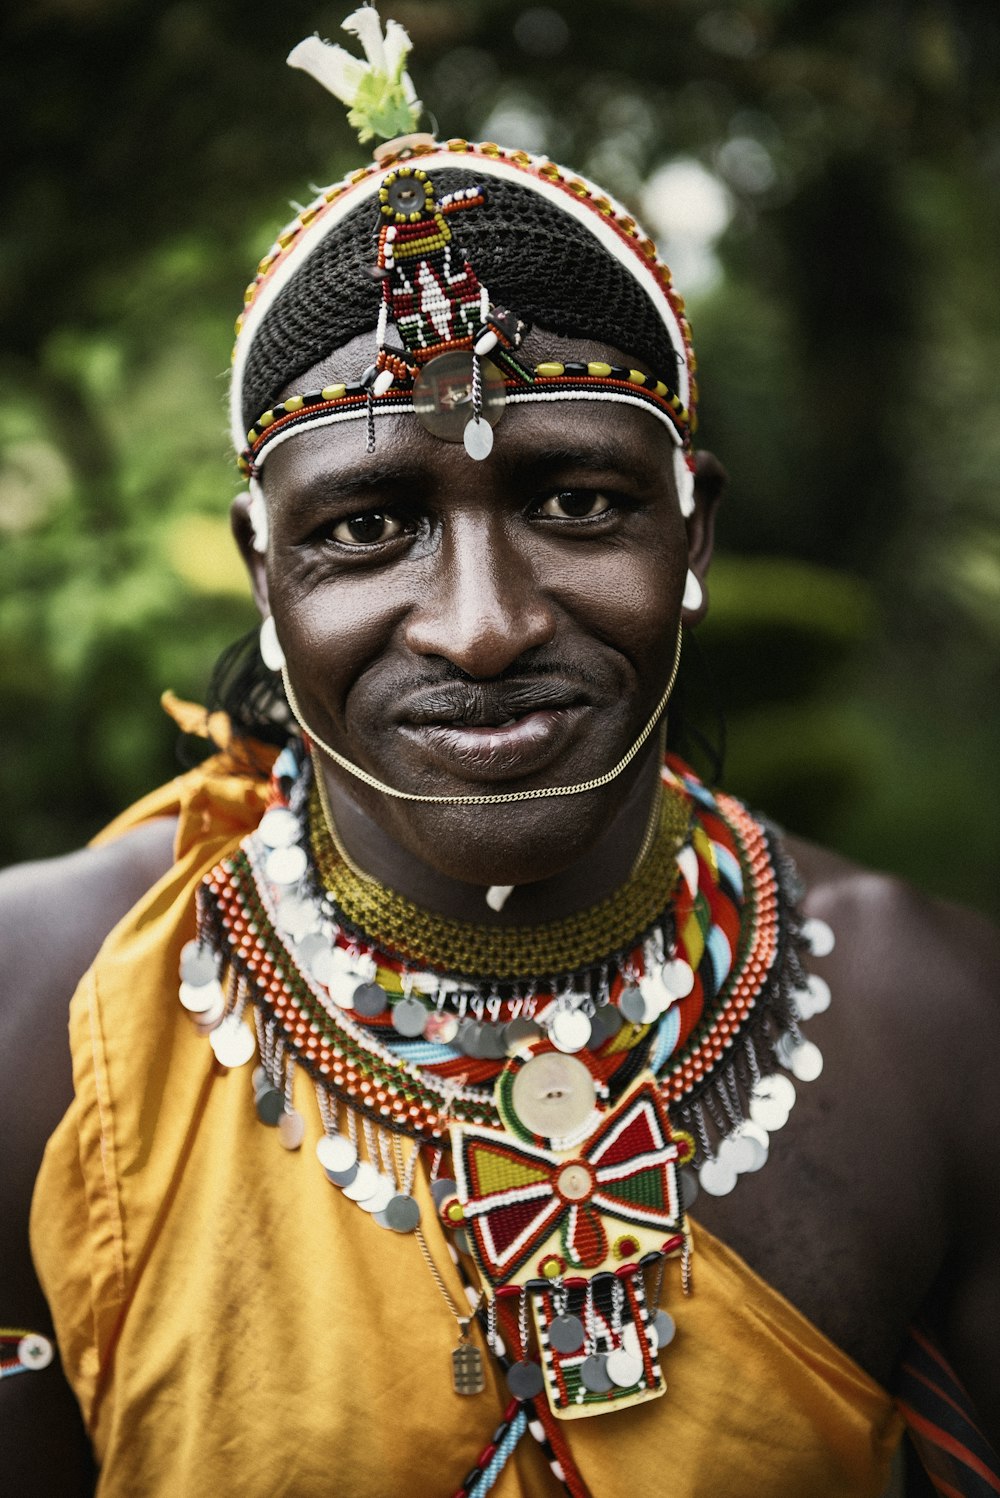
(232,1325)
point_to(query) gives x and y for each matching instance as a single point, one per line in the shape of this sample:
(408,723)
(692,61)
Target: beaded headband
(457,366)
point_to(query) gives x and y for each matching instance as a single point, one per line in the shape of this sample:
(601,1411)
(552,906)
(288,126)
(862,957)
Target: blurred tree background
(825,180)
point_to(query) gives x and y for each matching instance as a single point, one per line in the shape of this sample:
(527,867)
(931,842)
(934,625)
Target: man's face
(458,627)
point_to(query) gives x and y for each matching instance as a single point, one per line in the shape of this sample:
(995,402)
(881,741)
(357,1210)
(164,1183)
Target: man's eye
(574,504)
(367,529)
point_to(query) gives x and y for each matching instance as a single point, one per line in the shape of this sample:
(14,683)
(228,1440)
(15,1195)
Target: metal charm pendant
(467,1376)
(442,396)
(524,1380)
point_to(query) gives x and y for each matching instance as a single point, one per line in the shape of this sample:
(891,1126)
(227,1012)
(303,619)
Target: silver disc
(200,999)
(336,1152)
(806,1061)
(402,1214)
(678,977)
(365,1183)
(478,439)
(296,917)
(519,1031)
(553,1094)
(233,1042)
(717,1178)
(270,1104)
(342,986)
(632,1004)
(441,1027)
(746,1149)
(624,1368)
(291,1129)
(665,1328)
(286,865)
(631,1342)
(409,1018)
(570,1030)
(324,967)
(310,947)
(658,997)
(524,1380)
(259,1078)
(594,1374)
(491,1045)
(369,999)
(688,1180)
(380,1198)
(460,1239)
(606,1022)
(819,990)
(768,1112)
(279,828)
(566,1333)
(819,936)
(468,1035)
(343,1178)
(35,1351)
(198,964)
(443,1188)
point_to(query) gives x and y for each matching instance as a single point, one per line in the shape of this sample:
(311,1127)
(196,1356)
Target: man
(521,988)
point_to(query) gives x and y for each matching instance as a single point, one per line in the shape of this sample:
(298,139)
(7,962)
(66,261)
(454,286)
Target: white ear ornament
(693,594)
(271,652)
(257,510)
(684,479)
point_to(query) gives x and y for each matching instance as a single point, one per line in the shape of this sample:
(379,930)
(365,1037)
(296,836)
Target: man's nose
(484,606)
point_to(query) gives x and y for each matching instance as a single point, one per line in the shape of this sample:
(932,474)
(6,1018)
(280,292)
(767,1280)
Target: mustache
(456,698)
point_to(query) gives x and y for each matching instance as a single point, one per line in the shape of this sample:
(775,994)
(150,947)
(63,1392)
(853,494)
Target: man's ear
(710,480)
(245,531)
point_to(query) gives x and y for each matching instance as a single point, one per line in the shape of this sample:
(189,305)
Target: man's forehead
(532,443)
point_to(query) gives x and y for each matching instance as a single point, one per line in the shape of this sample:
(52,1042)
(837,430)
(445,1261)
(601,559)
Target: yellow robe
(234,1327)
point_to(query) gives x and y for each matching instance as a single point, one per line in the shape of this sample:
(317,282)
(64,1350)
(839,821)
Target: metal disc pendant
(279,828)
(524,1380)
(199,999)
(689,1187)
(818,936)
(409,1018)
(624,1367)
(291,1129)
(633,1005)
(491,1045)
(369,1000)
(469,1032)
(442,1189)
(566,1333)
(467,1375)
(806,1061)
(717,1178)
(664,1327)
(233,1042)
(297,917)
(678,976)
(402,1213)
(380,1198)
(520,1030)
(365,1183)
(606,1023)
(286,865)
(594,1374)
(343,1178)
(442,395)
(198,964)
(570,1030)
(336,1152)
(441,1027)
(270,1104)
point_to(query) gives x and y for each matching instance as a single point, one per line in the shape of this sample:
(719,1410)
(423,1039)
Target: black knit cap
(535,259)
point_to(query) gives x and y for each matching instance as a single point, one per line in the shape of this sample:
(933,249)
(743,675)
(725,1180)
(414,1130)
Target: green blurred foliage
(845,310)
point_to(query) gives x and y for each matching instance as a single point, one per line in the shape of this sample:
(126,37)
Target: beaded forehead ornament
(386,249)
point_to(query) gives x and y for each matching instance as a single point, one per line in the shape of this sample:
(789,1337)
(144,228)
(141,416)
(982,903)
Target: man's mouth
(494,730)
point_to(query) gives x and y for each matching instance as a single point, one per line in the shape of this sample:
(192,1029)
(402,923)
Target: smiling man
(533,1117)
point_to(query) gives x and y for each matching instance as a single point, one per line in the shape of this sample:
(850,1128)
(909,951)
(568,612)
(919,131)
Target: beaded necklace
(585,1078)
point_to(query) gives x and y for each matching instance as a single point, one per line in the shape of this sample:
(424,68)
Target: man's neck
(589,879)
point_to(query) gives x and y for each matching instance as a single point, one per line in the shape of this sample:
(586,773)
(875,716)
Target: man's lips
(493,730)
(501,751)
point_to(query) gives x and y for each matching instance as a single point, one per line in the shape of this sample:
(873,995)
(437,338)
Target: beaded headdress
(449,252)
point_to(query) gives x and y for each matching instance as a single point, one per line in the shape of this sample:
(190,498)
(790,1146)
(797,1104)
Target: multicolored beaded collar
(583,1099)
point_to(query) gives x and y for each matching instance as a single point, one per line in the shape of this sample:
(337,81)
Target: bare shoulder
(54,916)
(916,1024)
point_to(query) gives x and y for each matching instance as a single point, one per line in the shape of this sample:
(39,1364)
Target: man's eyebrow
(602,456)
(357,479)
